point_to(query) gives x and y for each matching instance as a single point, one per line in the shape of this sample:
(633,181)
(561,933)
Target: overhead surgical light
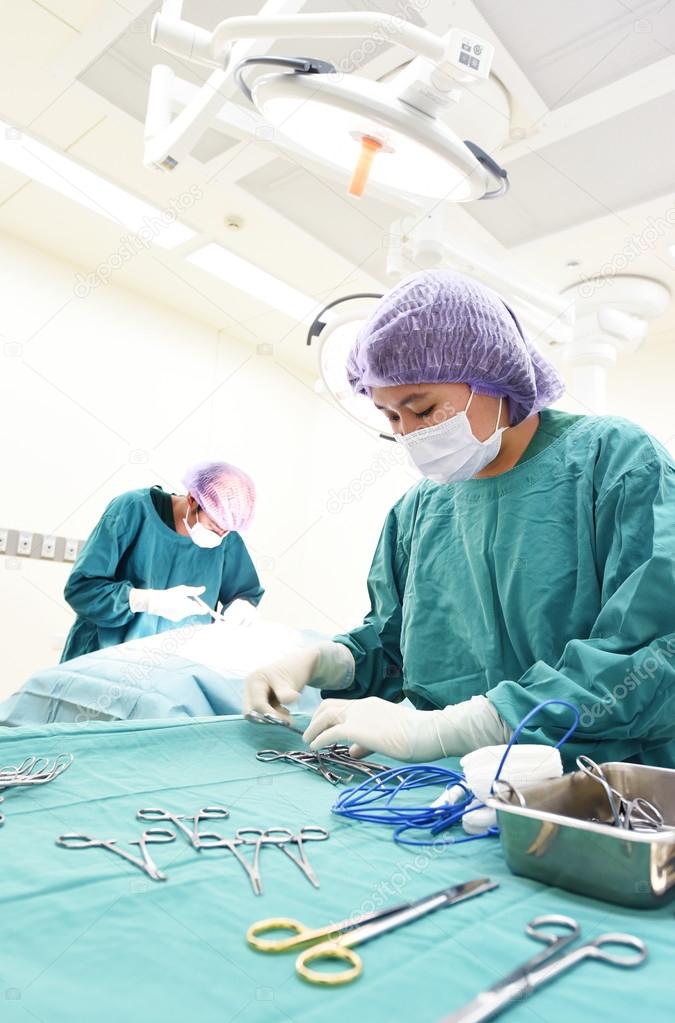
(390,134)
(336,326)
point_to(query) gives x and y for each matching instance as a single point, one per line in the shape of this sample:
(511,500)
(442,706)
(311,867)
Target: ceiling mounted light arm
(213,49)
(299,65)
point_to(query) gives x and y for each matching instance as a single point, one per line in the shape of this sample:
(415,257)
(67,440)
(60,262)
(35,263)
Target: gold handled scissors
(336,940)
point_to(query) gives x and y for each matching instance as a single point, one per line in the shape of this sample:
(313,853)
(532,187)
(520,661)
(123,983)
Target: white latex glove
(174,604)
(240,612)
(398,731)
(326,666)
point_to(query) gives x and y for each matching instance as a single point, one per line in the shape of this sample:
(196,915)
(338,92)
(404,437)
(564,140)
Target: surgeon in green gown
(154,554)
(535,561)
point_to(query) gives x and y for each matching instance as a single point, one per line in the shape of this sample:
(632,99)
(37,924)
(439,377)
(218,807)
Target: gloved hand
(378,726)
(326,666)
(240,612)
(175,603)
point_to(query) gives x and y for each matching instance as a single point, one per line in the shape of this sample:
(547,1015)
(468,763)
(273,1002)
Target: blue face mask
(201,536)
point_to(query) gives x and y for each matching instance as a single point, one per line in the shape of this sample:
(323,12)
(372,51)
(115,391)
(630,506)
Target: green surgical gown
(131,547)
(553,580)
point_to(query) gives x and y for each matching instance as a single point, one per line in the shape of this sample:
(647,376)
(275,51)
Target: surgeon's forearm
(335,667)
(104,602)
(464,727)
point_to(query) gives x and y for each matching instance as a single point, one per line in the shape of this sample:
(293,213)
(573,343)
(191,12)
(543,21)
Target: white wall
(112,392)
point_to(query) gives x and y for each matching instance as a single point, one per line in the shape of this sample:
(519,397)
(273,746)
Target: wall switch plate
(24,544)
(48,547)
(70,552)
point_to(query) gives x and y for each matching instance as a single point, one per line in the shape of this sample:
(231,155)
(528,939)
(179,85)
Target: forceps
(270,719)
(283,837)
(35,771)
(547,965)
(153,836)
(208,813)
(335,940)
(301,759)
(637,814)
(211,840)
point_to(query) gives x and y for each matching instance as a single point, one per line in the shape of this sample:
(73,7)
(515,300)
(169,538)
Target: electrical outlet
(25,544)
(48,547)
(70,553)
(4,533)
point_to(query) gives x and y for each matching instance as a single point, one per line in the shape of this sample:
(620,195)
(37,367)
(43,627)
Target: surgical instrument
(547,965)
(153,836)
(300,758)
(208,813)
(283,837)
(270,719)
(35,771)
(205,609)
(336,940)
(211,840)
(636,814)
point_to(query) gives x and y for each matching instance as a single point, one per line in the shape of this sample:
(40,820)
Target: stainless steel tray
(554,839)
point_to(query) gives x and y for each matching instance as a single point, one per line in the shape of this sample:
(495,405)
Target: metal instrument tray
(559,836)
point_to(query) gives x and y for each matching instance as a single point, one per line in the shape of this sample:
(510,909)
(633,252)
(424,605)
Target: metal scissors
(153,836)
(208,813)
(336,940)
(211,840)
(283,837)
(547,965)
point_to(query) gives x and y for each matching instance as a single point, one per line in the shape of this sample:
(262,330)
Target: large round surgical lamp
(336,327)
(367,132)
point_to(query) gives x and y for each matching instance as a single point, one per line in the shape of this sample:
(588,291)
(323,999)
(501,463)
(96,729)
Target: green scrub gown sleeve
(240,579)
(375,645)
(622,676)
(92,590)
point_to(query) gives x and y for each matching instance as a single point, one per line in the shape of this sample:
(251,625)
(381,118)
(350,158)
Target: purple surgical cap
(439,326)
(225,492)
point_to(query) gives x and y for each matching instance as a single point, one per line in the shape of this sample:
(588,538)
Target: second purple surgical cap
(439,326)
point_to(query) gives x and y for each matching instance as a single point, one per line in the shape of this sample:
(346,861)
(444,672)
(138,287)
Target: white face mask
(202,536)
(449,452)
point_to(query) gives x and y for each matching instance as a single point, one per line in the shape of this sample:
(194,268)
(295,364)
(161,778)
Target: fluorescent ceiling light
(239,273)
(51,168)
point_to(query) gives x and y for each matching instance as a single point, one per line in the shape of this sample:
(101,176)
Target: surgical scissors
(335,940)
(283,837)
(153,836)
(208,813)
(211,840)
(547,965)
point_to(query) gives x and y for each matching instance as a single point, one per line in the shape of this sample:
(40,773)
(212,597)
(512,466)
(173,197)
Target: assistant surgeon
(536,560)
(153,553)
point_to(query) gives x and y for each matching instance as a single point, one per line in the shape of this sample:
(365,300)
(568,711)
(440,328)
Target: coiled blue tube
(374,801)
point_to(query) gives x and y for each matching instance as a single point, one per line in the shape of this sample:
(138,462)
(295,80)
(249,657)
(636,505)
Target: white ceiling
(591,93)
